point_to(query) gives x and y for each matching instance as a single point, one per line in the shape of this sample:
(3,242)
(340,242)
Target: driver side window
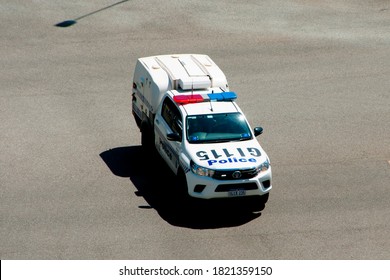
(171,114)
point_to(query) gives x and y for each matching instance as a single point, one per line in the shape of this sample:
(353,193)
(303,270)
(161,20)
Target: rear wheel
(137,120)
(147,139)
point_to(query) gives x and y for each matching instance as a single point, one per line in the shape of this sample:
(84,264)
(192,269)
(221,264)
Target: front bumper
(207,187)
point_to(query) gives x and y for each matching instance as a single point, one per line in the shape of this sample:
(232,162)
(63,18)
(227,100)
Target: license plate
(237,192)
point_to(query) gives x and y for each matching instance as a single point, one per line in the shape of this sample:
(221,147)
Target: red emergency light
(183,99)
(186,99)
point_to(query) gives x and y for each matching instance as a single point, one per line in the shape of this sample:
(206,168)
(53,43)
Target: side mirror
(174,137)
(258,130)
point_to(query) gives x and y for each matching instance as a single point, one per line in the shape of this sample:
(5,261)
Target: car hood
(228,155)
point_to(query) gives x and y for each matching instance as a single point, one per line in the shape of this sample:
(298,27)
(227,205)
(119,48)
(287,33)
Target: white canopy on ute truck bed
(185,72)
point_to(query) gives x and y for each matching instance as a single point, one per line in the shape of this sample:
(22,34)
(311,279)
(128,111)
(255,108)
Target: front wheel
(258,203)
(180,188)
(181,184)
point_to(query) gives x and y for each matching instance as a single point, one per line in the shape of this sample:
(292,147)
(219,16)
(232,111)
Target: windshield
(217,128)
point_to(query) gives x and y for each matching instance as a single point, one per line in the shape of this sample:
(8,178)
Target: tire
(258,204)
(264,198)
(137,120)
(180,189)
(147,139)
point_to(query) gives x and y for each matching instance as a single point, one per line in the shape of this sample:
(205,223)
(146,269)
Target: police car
(212,142)
(183,106)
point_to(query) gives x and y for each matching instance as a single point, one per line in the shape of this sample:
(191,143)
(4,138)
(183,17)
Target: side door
(169,121)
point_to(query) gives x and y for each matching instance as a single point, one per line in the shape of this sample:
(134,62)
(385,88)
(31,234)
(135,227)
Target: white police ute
(185,111)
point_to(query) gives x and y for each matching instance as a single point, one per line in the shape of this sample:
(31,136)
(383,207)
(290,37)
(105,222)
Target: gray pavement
(75,185)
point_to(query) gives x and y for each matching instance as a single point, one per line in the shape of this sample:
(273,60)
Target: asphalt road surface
(74,183)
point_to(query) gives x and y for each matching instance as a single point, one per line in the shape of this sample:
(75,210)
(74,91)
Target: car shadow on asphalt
(152,179)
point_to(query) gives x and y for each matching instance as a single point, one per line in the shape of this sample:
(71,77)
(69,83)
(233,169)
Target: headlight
(201,171)
(264,166)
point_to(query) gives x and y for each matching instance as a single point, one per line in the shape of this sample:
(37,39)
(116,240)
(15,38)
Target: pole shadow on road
(71,22)
(152,179)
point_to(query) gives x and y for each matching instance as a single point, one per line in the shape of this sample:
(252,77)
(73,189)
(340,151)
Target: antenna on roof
(211,105)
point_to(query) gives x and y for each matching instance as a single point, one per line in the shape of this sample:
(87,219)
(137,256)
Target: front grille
(242,186)
(228,174)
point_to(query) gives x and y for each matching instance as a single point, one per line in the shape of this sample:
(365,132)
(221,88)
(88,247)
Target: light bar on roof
(183,99)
